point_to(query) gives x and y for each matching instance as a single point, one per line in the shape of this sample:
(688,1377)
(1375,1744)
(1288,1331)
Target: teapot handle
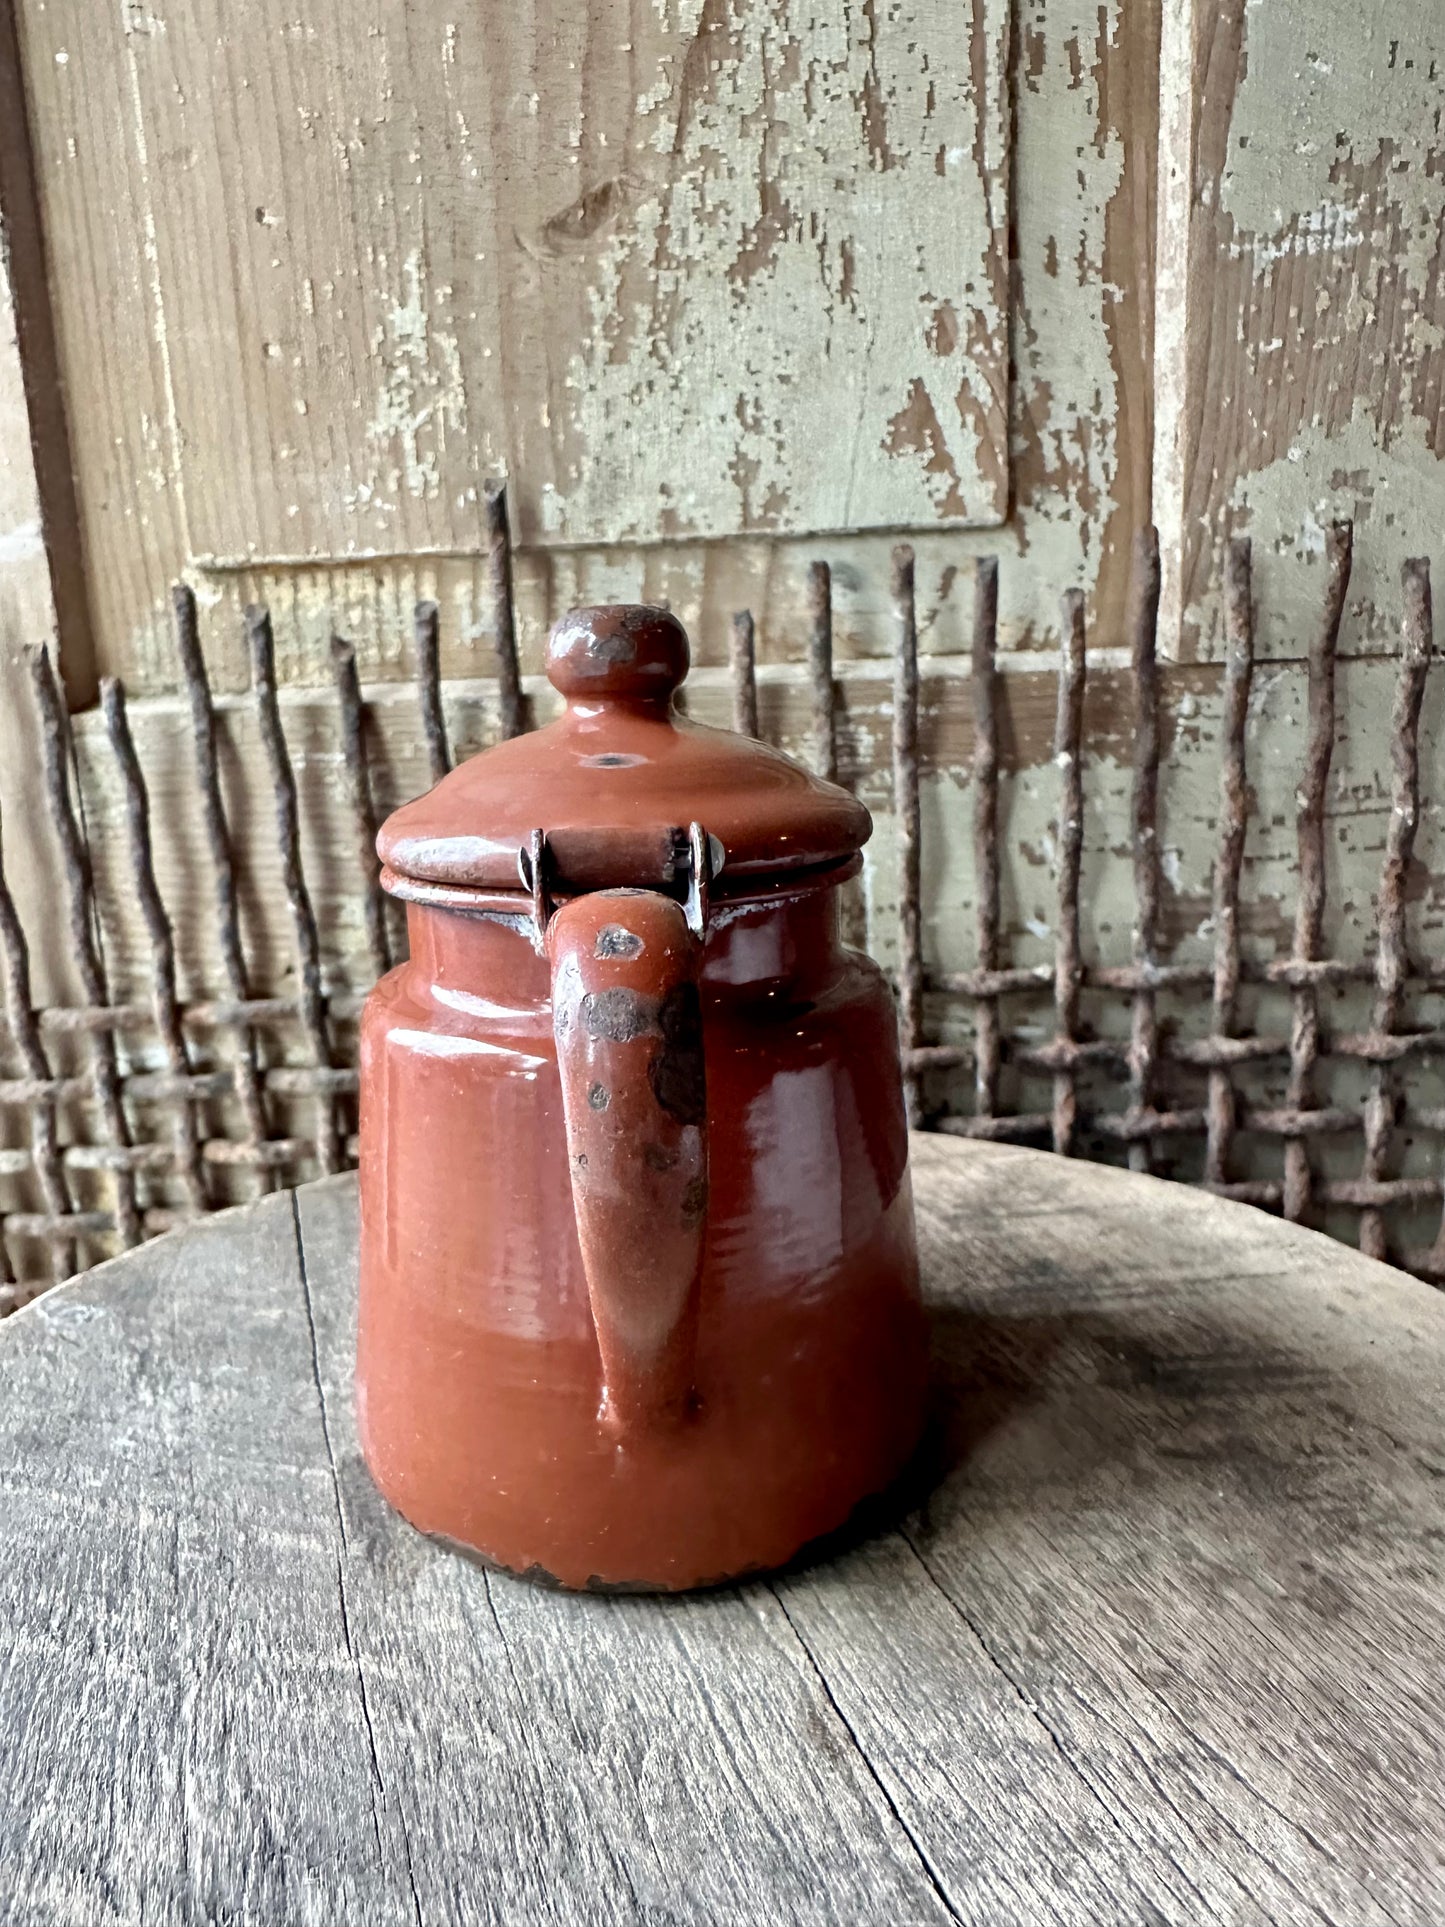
(627,1018)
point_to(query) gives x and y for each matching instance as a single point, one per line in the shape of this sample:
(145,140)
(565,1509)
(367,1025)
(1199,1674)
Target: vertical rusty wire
(907,822)
(820,668)
(1068,959)
(298,898)
(44,1132)
(985,828)
(1144,822)
(1310,838)
(1229,859)
(80,909)
(1392,963)
(504,613)
(363,811)
(426,630)
(245,1072)
(165,1004)
(743,666)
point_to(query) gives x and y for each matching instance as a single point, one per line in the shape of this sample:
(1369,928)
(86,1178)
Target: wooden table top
(1163,1642)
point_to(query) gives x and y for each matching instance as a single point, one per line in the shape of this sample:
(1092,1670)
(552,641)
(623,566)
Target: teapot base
(814,1405)
(866,1516)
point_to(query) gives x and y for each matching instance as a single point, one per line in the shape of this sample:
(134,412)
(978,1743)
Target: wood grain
(420,230)
(1157,1642)
(1300,362)
(679,272)
(42,585)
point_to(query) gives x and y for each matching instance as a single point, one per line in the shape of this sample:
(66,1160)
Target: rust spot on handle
(627,1017)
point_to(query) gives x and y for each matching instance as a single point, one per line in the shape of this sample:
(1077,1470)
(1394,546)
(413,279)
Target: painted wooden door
(679,272)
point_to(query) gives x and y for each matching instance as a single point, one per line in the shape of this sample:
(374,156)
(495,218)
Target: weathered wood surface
(1298,352)
(42,588)
(1163,1641)
(686,271)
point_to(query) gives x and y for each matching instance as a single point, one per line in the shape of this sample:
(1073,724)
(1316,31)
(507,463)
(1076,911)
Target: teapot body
(481,1396)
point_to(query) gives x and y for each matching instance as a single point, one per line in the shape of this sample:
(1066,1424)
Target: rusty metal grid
(96,1141)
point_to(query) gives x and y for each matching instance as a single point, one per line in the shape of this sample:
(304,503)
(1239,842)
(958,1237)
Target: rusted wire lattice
(135,1116)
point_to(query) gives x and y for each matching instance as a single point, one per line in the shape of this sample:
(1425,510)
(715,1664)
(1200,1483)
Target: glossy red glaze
(614,773)
(631,1315)
(627,1022)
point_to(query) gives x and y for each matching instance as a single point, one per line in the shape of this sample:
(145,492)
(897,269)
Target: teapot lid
(617,779)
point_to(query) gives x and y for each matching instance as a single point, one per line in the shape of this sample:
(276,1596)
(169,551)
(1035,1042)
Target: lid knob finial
(617,650)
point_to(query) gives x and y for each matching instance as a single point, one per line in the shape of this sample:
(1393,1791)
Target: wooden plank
(681,273)
(187,437)
(99,223)
(42,586)
(1087,111)
(27,617)
(1301,363)
(35,460)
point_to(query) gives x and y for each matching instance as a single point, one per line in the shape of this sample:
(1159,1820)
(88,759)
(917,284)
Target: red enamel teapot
(639,1293)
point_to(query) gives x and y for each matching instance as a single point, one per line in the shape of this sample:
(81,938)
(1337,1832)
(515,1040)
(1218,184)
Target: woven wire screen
(125,1118)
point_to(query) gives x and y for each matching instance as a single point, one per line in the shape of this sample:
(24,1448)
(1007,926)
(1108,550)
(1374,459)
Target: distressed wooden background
(722,289)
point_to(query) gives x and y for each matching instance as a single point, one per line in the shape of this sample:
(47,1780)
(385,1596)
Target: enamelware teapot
(639,1293)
